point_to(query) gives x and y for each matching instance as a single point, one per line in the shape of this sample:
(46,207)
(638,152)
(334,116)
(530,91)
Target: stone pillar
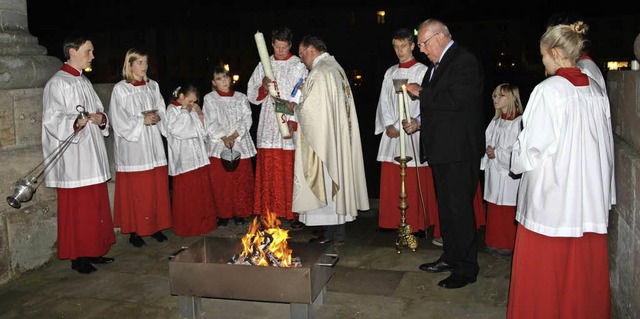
(23,63)
(28,234)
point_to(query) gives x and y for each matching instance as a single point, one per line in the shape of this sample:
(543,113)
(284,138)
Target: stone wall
(28,235)
(624,224)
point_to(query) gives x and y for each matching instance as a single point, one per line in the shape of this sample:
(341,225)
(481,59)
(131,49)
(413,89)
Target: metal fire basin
(201,270)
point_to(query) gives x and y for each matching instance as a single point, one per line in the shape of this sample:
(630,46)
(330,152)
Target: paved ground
(370,280)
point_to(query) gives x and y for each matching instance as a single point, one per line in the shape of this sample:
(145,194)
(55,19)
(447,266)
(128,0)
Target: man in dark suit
(452,141)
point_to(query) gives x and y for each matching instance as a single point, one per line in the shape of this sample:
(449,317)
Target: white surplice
(138,147)
(500,185)
(84,162)
(224,115)
(565,155)
(387,114)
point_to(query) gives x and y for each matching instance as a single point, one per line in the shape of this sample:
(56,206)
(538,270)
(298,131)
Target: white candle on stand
(400,111)
(406,102)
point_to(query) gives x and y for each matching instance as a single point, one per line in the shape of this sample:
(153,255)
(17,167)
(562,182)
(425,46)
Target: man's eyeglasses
(300,53)
(424,43)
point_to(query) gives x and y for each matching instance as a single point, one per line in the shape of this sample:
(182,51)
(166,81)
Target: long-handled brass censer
(25,187)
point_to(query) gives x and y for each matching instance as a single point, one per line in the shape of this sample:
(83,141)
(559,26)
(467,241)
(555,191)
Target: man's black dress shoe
(320,240)
(436,266)
(159,236)
(136,240)
(99,260)
(82,266)
(456,281)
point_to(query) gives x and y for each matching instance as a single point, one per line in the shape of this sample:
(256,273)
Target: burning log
(265,244)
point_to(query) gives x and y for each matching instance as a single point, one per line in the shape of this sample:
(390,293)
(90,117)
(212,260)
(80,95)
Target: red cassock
(417,181)
(142,203)
(232,191)
(85,227)
(192,203)
(274,192)
(547,282)
(501,226)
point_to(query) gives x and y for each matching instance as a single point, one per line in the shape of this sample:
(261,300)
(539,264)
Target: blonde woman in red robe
(142,206)
(500,185)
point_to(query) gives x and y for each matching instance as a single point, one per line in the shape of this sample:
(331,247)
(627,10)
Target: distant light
(226,67)
(358,77)
(380,17)
(89,69)
(235,78)
(615,65)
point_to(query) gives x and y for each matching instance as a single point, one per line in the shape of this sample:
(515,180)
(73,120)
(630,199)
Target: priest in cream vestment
(329,178)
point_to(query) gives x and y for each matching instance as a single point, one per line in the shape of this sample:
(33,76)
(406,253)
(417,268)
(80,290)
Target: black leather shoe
(99,260)
(455,281)
(159,236)
(436,266)
(223,222)
(238,220)
(82,266)
(320,240)
(136,240)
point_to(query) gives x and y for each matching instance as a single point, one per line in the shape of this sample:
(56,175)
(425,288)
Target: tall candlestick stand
(405,234)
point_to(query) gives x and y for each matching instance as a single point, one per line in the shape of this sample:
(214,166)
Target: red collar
(176,103)
(573,75)
(505,116)
(229,93)
(408,64)
(71,70)
(289,55)
(138,83)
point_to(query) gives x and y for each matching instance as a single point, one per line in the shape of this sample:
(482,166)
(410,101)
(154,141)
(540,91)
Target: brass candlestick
(405,234)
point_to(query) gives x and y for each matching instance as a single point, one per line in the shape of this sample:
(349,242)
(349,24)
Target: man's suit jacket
(451,109)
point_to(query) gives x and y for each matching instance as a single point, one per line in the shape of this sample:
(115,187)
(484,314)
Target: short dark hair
(404,34)
(73,42)
(282,34)
(218,69)
(314,41)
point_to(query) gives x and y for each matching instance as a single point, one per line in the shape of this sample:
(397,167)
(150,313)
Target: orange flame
(254,240)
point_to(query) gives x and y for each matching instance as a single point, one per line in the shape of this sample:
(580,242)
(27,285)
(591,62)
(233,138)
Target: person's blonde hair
(567,38)
(132,56)
(512,94)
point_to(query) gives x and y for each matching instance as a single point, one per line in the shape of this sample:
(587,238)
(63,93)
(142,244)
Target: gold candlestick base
(405,233)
